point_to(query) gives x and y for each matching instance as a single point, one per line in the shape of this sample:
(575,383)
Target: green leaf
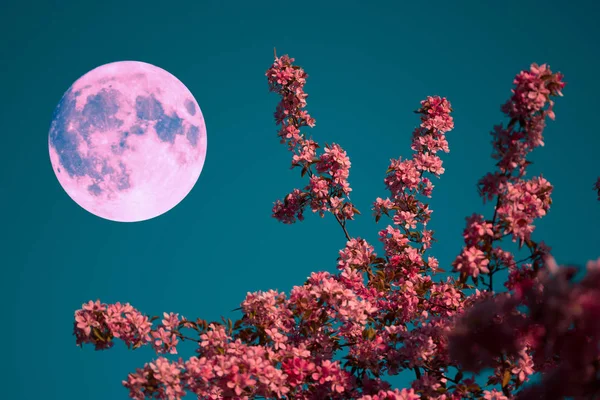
(96,333)
(474,387)
(506,378)
(369,333)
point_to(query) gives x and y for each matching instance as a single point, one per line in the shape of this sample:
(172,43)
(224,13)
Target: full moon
(127,141)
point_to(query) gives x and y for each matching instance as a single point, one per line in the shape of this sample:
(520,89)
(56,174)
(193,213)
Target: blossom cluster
(549,323)
(337,335)
(519,201)
(328,184)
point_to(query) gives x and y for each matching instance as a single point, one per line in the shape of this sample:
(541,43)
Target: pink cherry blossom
(472,262)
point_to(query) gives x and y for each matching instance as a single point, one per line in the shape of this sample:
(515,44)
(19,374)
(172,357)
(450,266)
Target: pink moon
(127,141)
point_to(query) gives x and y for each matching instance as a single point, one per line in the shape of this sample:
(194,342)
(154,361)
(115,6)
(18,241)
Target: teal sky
(369,65)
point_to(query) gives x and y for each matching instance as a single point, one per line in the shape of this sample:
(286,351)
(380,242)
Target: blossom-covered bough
(338,335)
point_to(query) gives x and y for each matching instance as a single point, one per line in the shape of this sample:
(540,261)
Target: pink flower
(291,208)
(472,262)
(297,369)
(477,230)
(357,254)
(406,219)
(494,395)
(524,366)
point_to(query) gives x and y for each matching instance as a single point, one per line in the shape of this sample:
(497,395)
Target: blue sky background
(369,65)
